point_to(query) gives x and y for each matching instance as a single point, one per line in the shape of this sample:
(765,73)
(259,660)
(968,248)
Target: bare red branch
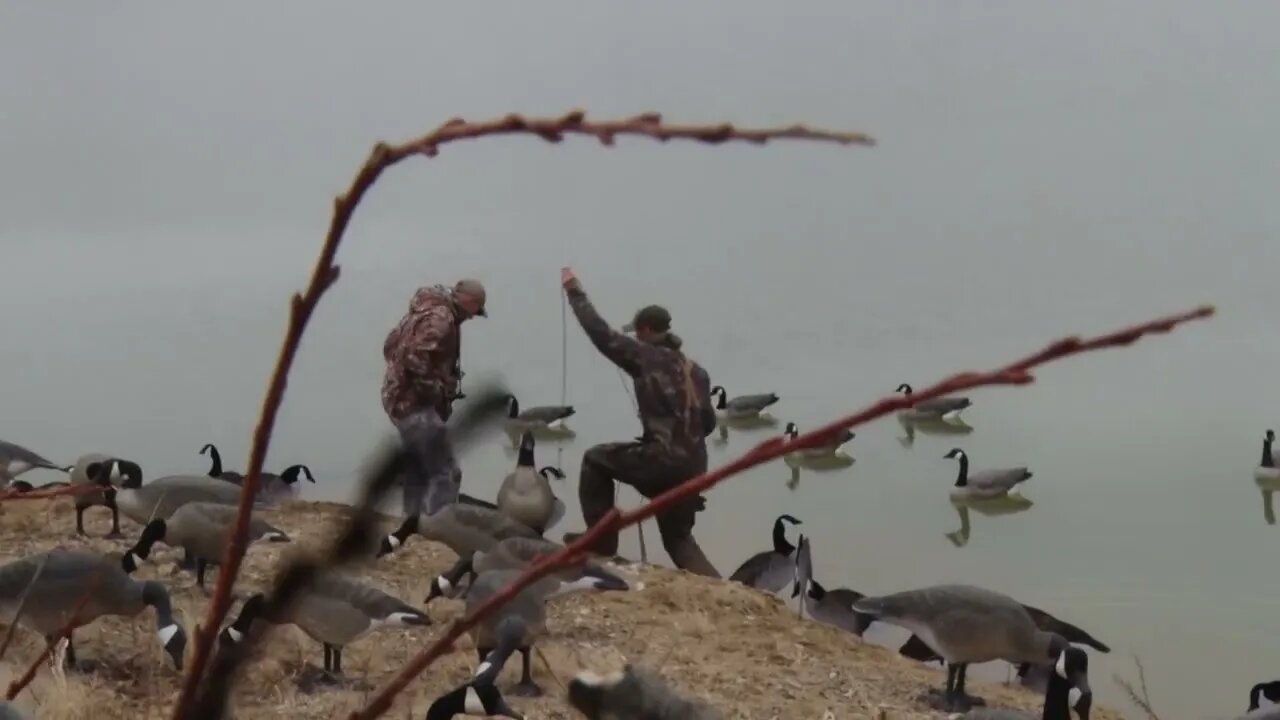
(325,274)
(1015,373)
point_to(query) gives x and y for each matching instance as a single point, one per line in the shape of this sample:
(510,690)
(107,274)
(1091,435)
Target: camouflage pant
(651,471)
(433,477)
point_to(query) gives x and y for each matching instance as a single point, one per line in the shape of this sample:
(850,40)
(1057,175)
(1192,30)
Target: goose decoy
(15,460)
(58,587)
(161,497)
(803,573)
(1067,688)
(634,693)
(965,624)
(544,417)
(831,449)
(1270,691)
(1266,471)
(984,484)
(742,406)
(470,698)
(215,465)
(770,570)
(202,529)
(835,608)
(518,624)
(944,409)
(518,553)
(463,527)
(333,609)
(270,485)
(526,493)
(117,472)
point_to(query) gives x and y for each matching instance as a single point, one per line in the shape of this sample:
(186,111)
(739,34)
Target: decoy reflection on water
(984,484)
(991,507)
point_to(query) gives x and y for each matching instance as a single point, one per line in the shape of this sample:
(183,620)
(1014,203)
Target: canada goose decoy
(333,609)
(984,484)
(803,573)
(526,493)
(215,465)
(463,527)
(15,460)
(63,581)
(546,417)
(162,496)
(117,472)
(517,624)
(770,570)
(944,409)
(270,485)
(835,607)
(965,624)
(742,406)
(1266,469)
(470,698)
(518,553)
(1067,688)
(635,693)
(202,529)
(831,449)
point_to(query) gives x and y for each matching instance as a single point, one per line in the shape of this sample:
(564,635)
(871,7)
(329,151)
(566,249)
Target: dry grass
(742,650)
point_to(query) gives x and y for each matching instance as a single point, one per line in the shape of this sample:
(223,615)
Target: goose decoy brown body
(1067,689)
(60,578)
(15,460)
(945,409)
(634,693)
(741,406)
(526,493)
(203,530)
(333,609)
(465,528)
(770,570)
(984,484)
(966,624)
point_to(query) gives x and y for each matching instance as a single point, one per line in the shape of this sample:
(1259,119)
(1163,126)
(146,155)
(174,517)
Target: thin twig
(325,273)
(1143,701)
(1016,373)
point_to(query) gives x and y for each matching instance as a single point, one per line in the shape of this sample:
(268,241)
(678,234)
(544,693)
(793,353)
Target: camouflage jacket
(673,392)
(421,352)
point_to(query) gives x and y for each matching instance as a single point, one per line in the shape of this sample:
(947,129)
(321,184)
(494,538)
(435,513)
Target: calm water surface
(1060,172)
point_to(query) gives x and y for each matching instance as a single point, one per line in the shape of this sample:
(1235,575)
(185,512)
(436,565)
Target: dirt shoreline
(743,651)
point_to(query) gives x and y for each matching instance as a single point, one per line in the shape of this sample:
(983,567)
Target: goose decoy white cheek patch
(473,705)
(167,632)
(1061,666)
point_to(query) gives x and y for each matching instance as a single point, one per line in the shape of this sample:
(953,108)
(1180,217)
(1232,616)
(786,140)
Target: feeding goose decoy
(984,484)
(463,527)
(1266,471)
(965,624)
(770,570)
(333,609)
(117,472)
(202,529)
(742,406)
(541,417)
(518,553)
(1067,689)
(470,698)
(835,607)
(830,450)
(57,587)
(943,409)
(15,460)
(634,693)
(518,624)
(526,493)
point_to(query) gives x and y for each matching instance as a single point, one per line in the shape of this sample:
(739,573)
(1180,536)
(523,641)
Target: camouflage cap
(473,288)
(654,317)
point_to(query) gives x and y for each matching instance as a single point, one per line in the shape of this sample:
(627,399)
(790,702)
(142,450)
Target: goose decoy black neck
(290,474)
(1269,690)
(127,473)
(962,478)
(816,591)
(905,389)
(473,698)
(780,543)
(170,632)
(1068,687)
(153,532)
(1268,460)
(513,407)
(718,392)
(250,611)
(551,471)
(791,431)
(397,538)
(525,458)
(215,459)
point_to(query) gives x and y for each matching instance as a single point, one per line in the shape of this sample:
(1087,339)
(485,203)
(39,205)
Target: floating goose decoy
(965,624)
(15,460)
(202,529)
(831,449)
(742,406)
(63,581)
(526,493)
(634,693)
(463,527)
(1266,470)
(516,625)
(1067,688)
(770,570)
(518,553)
(944,409)
(984,484)
(471,698)
(545,417)
(117,471)
(334,610)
